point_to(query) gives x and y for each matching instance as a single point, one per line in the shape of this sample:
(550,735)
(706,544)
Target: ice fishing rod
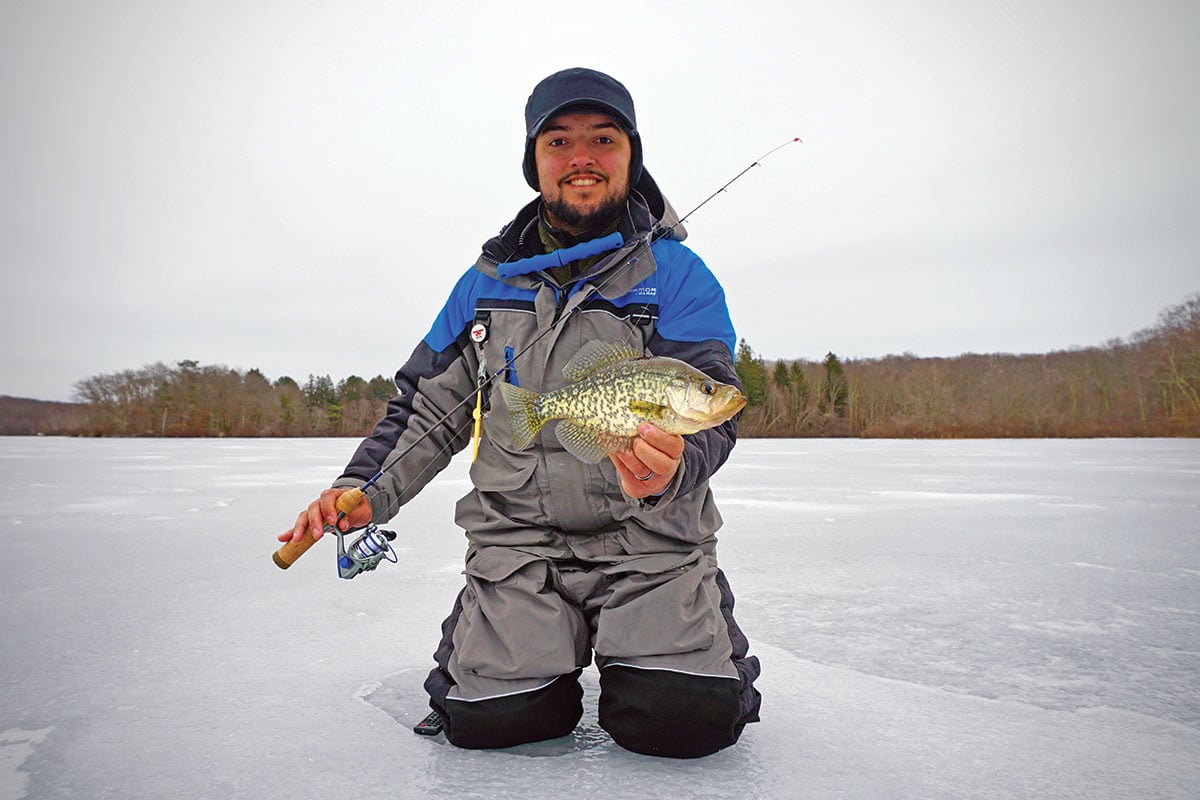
(373,545)
(366,552)
(756,163)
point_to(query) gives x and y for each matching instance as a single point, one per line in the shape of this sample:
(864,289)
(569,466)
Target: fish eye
(709,388)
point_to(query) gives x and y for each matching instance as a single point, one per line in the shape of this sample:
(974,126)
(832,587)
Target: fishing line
(757,163)
(373,545)
(657,233)
(417,479)
(591,289)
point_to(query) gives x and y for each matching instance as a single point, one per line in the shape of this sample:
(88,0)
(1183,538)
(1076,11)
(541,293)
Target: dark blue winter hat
(580,88)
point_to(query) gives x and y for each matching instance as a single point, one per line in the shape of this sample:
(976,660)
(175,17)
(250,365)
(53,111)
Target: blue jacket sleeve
(694,326)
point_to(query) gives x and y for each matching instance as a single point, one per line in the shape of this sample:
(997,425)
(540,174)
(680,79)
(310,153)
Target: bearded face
(583,170)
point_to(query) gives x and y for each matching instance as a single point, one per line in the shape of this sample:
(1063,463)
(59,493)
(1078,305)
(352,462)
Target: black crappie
(614,388)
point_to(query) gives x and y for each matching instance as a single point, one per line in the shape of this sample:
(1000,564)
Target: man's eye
(557,142)
(604,140)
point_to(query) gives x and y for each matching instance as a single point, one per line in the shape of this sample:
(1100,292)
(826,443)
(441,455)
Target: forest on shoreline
(1146,385)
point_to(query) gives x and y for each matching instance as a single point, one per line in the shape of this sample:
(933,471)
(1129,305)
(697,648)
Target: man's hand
(650,466)
(322,512)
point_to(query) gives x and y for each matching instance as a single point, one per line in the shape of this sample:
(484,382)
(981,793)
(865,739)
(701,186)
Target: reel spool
(365,552)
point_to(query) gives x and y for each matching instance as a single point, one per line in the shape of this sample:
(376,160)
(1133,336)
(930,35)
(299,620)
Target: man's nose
(581,155)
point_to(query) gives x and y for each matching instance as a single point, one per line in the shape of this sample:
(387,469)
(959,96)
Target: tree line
(189,399)
(1147,385)
(23,416)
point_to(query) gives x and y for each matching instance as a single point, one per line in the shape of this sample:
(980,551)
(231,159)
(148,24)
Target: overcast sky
(294,186)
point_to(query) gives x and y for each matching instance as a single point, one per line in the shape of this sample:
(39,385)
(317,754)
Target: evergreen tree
(752,373)
(382,388)
(800,388)
(835,391)
(325,413)
(782,376)
(351,389)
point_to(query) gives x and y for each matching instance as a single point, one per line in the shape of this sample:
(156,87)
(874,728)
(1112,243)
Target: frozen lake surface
(962,619)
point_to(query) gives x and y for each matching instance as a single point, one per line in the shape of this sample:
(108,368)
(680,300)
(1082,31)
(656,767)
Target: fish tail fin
(522,414)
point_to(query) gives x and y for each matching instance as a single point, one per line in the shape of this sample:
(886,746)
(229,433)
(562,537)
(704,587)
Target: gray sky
(295,186)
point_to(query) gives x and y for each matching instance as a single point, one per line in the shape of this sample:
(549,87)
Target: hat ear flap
(529,166)
(635,159)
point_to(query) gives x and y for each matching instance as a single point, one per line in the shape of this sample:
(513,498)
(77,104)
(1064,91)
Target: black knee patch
(670,714)
(546,713)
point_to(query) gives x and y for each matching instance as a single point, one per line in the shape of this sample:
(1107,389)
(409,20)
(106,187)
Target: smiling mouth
(582,181)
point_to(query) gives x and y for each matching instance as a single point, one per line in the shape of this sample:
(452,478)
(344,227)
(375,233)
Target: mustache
(583,173)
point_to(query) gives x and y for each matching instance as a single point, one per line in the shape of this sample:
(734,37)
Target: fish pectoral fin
(595,356)
(588,445)
(649,411)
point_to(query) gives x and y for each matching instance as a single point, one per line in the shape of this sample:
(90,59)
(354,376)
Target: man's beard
(598,219)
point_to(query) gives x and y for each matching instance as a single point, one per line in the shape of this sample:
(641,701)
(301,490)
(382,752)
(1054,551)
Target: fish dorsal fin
(595,356)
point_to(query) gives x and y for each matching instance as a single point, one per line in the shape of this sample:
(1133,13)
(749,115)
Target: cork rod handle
(287,554)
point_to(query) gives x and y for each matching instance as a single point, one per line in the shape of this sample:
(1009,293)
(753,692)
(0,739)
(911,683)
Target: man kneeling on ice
(568,558)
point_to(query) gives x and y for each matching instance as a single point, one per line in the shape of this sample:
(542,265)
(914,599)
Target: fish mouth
(732,405)
(717,413)
(735,405)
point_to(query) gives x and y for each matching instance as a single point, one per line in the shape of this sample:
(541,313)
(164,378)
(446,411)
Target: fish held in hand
(615,388)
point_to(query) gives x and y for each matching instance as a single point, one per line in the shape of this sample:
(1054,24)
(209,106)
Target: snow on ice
(984,619)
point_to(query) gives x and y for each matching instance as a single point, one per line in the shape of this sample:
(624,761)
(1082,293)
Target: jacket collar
(646,211)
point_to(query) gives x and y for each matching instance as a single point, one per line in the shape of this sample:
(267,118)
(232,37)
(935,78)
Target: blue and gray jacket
(657,296)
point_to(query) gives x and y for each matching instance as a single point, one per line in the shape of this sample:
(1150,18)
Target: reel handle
(287,554)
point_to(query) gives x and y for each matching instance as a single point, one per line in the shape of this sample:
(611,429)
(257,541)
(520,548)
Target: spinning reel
(365,552)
